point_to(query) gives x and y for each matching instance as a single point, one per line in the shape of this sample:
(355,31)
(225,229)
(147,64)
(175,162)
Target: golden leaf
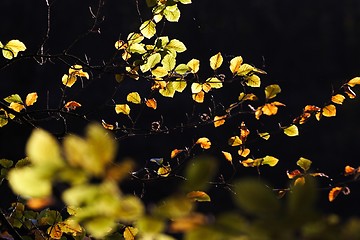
(39,203)
(179,85)
(253,81)
(264,135)
(198,196)
(176,45)
(269,160)
(338,99)
(194,65)
(164,171)
(72,105)
(244,132)
(175,152)
(269,109)
(244,70)
(299,181)
(31,99)
(216,61)
(334,192)
(151,103)
(169,62)
(354,81)
(235,141)
(77,71)
(55,232)
(219,120)
(329,111)
(227,156)
(196,87)
(120,44)
(244,152)
(291,131)
(349,171)
(16,106)
(159,72)
(204,142)
(198,97)
(134,97)
(122,108)
(271,91)
(235,64)
(130,233)
(12,48)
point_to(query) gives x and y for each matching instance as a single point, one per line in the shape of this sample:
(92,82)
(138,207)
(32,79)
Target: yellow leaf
(179,85)
(204,142)
(172,13)
(272,90)
(244,152)
(148,29)
(329,111)
(196,87)
(252,81)
(68,80)
(176,45)
(182,68)
(244,70)
(76,70)
(16,106)
(122,108)
(175,152)
(235,64)
(249,96)
(250,163)
(216,61)
(169,62)
(199,97)
(134,38)
(130,233)
(214,82)
(31,99)
(159,72)
(269,109)
(164,171)
(194,65)
(354,81)
(150,62)
(120,44)
(55,232)
(264,135)
(291,131)
(198,196)
(338,99)
(227,156)
(12,48)
(168,91)
(219,120)
(299,181)
(134,97)
(151,103)
(136,48)
(72,105)
(269,160)
(235,141)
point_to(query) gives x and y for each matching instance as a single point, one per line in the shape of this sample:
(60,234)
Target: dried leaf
(204,142)
(151,103)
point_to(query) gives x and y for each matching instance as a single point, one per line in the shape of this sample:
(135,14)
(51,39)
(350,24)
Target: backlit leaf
(130,233)
(293,174)
(227,156)
(198,196)
(349,170)
(151,103)
(249,96)
(235,64)
(182,68)
(299,181)
(244,70)
(214,82)
(235,141)
(122,108)
(244,132)
(269,109)
(134,97)
(107,125)
(159,72)
(264,135)
(272,90)
(176,45)
(148,29)
(219,120)
(291,131)
(13,98)
(196,87)
(216,61)
(253,81)
(194,65)
(39,203)
(164,171)
(31,99)
(72,105)
(244,152)
(179,85)
(204,142)
(175,152)
(150,62)
(136,48)
(12,48)
(329,111)
(338,99)
(168,91)
(354,81)
(172,13)
(334,192)
(304,163)
(270,160)
(199,97)
(169,62)
(185,1)
(16,106)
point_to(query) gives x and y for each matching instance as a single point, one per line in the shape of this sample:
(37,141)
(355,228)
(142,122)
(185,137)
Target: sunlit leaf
(172,13)
(349,170)
(196,87)
(159,72)
(136,48)
(244,152)
(130,233)
(249,96)
(72,105)
(253,81)
(270,160)
(31,98)
(227,156)
(122,108)
(219,120)
(13,98)
(134,97)
(148,29)
(291,131)
(169,62)
(194,65)
(168,91)
(269,109)
(182,68)
(198,196)
(244,70)
(354,81)
(244,132)
(179,85)
(299,181)
(12,48)
(55,232)
(235,141)
(349,92)
(134,38)
(271,91)
(338,99)
(176,45)
(329,111)
(334,192)
(216,61)
(293,174)
(164,171)
(151,103)
(150,62)
(107,125)
(214,82)
(185,1)
(175,152)
(264,135)
(204,142)
(100,226)
(198,97)
(16,106)
(235,64)
(304,163)
(120,44)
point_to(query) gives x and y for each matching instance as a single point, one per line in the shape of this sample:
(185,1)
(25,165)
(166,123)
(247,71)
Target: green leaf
(176,45)
(150,62)
(269,160)
(169,62)
(304,163)
(271,91)
(291,131)
(159,72)
(168,91)
(49,217)
(179,85)
(172,13)
(199,173)
(3,118)
(255,198)
(182,68)
(148,29)
(137,48)
(99,227)
(14,98)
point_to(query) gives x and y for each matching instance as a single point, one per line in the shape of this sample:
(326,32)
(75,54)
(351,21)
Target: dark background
(309,48)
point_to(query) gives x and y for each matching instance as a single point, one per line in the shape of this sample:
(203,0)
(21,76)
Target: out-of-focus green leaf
(174,207)
(6,163)
(150,224)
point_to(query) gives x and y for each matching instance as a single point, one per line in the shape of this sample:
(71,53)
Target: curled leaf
(204,142)
(72,105)
(198,196)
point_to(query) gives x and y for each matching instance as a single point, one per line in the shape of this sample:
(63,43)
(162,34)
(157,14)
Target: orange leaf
(299,181)
(329,111)
(107,125)
(354,81)
(219,120)
(338,99)
(204,143)
(244,152)
(269,109)
(244,132)
(72,105)
(39,203)
(175,152)
(31,99)
(199,97)
(334,192)
(227,156)
(199,196)
(347,89)
(293,174)
(151,103)
(349,171)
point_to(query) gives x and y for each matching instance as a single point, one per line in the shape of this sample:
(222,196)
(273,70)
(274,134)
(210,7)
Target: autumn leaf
(176,45)
(148,29)
(227,156)
(219,120)
(329,111)
(244,152)
(291,131)
(304,163)
(194,65)
(216,61)
(107,125)
(198,196)
(151,103)
(31,98)
(235,141)
(334,192)
(253,81)
(134,97)
(338,99)
(349,170)
(198,97)
(164,171)
(172,13)
(12,48)
(175,152)
(204,142)
(349,92)
(130,233)
(235,64)
(264,135)
(72,105)
(269,160)
(122,108)
(17,106)
(271,91)
(293,174)
(354,81)
(244,132)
